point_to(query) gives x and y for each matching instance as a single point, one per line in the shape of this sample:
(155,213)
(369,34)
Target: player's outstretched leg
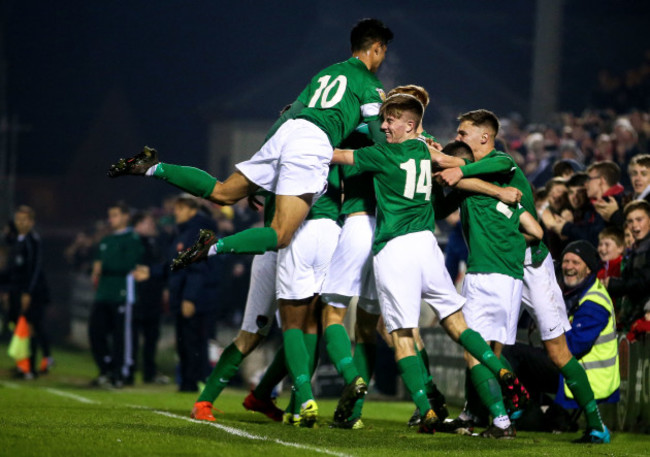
(136,165)
(197,252)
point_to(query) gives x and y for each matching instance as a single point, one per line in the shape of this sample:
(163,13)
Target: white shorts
(542,298)
(411,268)
(351,273)
(492,307)
(303,264)
(260,303)
(294,161)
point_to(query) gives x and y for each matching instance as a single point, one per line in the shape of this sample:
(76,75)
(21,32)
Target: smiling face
(397,129)
(608,249)
(574,269)
(638,222)
(577,196)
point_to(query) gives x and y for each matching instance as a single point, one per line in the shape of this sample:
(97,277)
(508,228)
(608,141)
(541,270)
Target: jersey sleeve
(488,165)
(369,159)
(371,99)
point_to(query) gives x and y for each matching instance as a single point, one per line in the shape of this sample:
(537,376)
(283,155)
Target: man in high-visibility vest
(592,340)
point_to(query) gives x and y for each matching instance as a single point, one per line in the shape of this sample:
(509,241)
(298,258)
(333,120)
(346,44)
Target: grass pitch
(60,415)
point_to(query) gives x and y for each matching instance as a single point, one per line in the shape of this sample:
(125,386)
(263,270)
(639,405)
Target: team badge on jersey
(381,93)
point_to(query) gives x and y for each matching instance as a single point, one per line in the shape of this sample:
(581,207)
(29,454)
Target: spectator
(626,146)
(633,283)
(148,309)
(639,172)
(565,168)
(109,325)
(192,295)
(28,291)
(558,211)
(592,339)
(610,249)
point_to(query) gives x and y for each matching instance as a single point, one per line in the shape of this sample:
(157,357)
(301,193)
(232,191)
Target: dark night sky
(174,63)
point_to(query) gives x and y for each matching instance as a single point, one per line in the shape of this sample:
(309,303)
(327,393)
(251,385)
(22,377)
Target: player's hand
(449,176)
(433,144)
(141,273)
(188,308)
(606,208)
(510,195)
(254,203)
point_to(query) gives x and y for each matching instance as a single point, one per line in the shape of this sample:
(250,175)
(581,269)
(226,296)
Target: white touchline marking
(231,430)
(244,434)
(79,398)
(10,385)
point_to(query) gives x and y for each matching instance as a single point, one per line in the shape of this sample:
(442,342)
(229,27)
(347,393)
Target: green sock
(297,360)
(476,345)
(275,373)
(311,343)
(506,363)
(339,349)
(225,369)
(364,360)
(489,390)
(193,180)
(578,384)
(424,367)
(409,368)
(256,240)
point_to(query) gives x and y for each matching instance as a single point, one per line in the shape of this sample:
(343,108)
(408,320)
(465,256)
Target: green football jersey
(328,206)
(496,163)
(341,97)
(402,182)
(491,230)
(119,253)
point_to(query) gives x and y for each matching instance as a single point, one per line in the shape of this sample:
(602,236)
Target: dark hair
(608,170)
(398,103)
(122,206)
(140,216)
(561,167)
(613,233)
(26,210)
(481,117)
(458,149)
(637,204)
(369,31)
(551,183)
(579,179)
(188,200)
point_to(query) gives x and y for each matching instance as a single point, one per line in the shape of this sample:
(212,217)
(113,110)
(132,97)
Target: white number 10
(423,181)
(326,101)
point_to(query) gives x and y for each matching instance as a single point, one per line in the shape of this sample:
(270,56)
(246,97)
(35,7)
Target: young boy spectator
(633,283)
(610,249)
(639,171)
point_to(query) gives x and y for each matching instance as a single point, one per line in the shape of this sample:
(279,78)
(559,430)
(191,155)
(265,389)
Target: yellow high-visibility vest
(601,363)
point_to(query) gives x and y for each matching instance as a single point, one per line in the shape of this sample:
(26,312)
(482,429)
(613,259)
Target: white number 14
(423,181)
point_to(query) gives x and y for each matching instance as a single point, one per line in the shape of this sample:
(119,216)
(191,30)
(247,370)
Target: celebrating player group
(353,187)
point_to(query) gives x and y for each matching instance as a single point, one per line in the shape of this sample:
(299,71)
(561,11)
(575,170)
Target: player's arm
(343,156)
(443,160)
(532,231)
(508,195)
(451,176)
(375,133)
